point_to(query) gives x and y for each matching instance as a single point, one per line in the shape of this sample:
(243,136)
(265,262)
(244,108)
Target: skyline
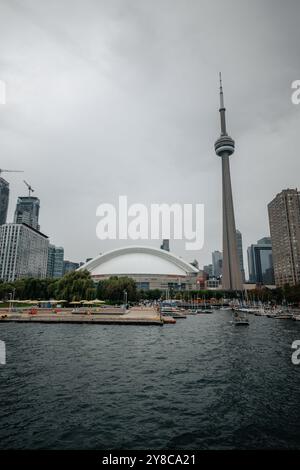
(18,219)
(146,77)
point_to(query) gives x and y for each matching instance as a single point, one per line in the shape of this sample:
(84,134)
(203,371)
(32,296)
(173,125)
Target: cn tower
(224,147)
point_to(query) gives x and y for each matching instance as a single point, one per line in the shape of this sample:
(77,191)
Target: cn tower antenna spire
(221,92)
(222,108)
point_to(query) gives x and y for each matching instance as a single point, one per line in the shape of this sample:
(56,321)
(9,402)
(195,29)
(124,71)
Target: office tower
(217,262)
(23,252)
(224,147)
(239,242)
(264,241)
(208,270)
(4,197)
(70,266)
(260,262)
(27,211)
(284,220)
(55,264)
(165,245)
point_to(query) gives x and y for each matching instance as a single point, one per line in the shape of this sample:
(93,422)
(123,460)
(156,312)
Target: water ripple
(199,384)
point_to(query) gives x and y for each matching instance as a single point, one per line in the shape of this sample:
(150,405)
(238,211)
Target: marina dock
(113,316)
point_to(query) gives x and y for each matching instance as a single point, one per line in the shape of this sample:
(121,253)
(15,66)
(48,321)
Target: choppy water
(199,384)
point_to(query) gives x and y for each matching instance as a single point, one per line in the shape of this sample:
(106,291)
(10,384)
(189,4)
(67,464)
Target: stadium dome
(150,267)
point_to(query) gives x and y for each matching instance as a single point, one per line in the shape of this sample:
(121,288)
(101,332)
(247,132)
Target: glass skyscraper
(260,262)
(70,266)
(27,211)
(217,262)
(239,243)
(4,197)
(55,266)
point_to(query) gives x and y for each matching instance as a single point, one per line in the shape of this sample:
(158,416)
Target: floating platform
(95,321)
(134,316)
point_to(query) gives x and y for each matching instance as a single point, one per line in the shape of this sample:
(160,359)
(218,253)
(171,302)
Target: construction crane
(10,171)
(30,188)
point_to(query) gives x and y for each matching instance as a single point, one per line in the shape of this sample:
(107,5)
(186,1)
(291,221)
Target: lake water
(199,384)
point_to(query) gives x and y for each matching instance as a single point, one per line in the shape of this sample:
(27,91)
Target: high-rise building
(208,270)
(239,242)
(27,211)
(217,263)
(264,241)
(165,245)
(70,266)
(23,252)
(55,264)
(260,262)
(224,147)
(4,197)
(284,220)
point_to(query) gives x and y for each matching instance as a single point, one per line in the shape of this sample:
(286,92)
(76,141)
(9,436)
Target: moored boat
(172,312)
(239,318)
(285,316)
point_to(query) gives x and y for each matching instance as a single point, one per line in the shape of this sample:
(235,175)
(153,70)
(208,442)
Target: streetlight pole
(13,297)
(125,298)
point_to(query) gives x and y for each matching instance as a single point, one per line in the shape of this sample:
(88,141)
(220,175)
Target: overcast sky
(120,97)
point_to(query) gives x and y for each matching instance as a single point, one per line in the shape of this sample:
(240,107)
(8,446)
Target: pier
(107,316)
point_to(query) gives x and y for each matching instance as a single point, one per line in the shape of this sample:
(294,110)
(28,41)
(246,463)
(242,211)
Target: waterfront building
(224,147)
(55,264)
(23,252)
(284,220)
(70,266)
(239,243)
(151,268)
(4,198)
(217,263)
(27,211)
(212,283)
(260,262)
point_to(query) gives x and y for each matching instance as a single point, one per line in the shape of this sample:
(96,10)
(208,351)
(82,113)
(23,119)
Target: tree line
(74,286)
(78,285)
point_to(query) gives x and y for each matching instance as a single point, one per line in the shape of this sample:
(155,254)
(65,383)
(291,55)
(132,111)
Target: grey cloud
(121,97)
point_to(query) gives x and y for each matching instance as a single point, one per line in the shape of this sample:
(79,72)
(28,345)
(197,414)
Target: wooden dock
(133,316)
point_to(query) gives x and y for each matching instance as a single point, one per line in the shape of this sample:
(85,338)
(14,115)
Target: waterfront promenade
(133,316)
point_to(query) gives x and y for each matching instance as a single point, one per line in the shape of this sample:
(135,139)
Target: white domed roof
(138,260)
